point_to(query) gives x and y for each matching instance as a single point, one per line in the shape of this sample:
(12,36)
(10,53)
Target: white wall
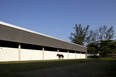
(78,56)
(65,54)
(8,54)
(50,55)
(72,56)
(29,54)
(12,54)
(83,56)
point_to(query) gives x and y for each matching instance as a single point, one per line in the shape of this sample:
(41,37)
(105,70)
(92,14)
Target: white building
(18,44)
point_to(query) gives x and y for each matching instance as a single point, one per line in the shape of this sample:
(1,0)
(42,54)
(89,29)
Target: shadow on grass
(8,69)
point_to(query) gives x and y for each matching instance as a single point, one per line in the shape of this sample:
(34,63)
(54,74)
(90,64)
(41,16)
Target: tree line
(97,41)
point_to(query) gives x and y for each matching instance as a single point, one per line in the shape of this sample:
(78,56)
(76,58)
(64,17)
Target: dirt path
(77,70)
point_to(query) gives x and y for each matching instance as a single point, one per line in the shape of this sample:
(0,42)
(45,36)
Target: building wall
(27,54)
(12,54)
(72,56)
(65,54)
(78,56)
(50,55)
(83,56)
(8,54)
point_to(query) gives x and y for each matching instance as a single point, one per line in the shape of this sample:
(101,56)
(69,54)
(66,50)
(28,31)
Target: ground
(104,67)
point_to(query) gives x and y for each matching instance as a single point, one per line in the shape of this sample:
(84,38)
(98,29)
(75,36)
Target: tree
(100,34)
(103,48)
(107,47)
(113,46)
(98,41)
(102,38)
(92,48)
(79,37)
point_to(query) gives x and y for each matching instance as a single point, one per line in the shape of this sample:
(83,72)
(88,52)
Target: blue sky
(58,17)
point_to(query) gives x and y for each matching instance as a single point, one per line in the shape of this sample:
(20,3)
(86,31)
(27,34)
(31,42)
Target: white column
(57,51)
(75,54)
(43,53)
(19,54)
(80,55)
(86,54)
(1,48)
(68,54)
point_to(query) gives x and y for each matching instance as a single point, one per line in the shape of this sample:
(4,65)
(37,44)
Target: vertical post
(85,54)
(19,54)
(80,54)
(43,53)
(75,54)
(57,51)
(0,48)
(68,54)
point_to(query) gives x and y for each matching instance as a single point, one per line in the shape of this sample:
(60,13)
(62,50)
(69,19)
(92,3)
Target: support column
(68,54)
(43,53)
(80,55)
(19,54)
(86,54)
(75,54)
(57,51)
(0,48)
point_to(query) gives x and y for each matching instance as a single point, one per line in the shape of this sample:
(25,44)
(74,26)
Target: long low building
(18,44)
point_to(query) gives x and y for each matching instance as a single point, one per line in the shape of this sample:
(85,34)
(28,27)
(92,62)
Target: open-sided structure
(17,44)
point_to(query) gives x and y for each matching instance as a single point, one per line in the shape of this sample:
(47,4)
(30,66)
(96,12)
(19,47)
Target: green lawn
(107,66)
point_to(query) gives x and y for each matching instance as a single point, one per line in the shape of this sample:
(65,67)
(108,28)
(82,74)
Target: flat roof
(33,32)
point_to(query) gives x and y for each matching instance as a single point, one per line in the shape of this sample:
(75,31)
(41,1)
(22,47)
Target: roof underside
(9,33)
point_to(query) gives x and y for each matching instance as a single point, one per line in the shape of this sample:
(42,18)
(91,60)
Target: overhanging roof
(14,33)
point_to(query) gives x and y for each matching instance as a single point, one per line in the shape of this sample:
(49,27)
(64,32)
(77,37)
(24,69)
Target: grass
(105,65)
(34,65)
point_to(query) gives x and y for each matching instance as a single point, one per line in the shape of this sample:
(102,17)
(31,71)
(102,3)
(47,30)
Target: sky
(57,18)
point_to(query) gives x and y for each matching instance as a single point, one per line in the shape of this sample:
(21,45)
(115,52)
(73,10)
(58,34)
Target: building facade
(19,44)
